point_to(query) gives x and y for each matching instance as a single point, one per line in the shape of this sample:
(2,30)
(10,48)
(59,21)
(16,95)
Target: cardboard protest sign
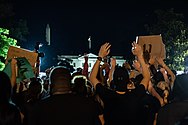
(20,52)
(153,44)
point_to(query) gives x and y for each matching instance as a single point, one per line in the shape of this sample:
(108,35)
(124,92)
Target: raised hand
(104,50)
(136,49)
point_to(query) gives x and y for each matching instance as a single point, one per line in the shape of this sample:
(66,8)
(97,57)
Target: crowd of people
(146,92)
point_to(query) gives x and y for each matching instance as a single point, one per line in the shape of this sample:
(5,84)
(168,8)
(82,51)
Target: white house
(78,61)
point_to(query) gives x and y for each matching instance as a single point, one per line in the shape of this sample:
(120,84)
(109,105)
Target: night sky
(73,21)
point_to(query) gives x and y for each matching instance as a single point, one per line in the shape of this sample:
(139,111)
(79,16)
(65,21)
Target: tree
(175,36)
(5,42)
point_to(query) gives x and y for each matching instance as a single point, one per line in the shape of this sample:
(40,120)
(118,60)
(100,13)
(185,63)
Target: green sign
(25,70)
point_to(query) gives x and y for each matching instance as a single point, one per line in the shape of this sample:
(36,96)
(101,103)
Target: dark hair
(157,77)
(35,89)
(120,78)
(152,69)
(79,86)
(137,80)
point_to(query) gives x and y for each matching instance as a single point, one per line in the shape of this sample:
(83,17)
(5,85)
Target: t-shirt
(122,108)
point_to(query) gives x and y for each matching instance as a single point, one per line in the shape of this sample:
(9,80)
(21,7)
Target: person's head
(5,87)
(60,80)
(158,77)
(152,69)
(79,70)
(120,78)
(80,85)
(162,85)
(35,88)
(134,82)
(137,80)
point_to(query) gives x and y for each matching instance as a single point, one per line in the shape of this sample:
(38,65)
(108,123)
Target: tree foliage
(17,29)
(5,42)
(175,36)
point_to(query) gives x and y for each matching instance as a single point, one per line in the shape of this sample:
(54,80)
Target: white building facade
(78,61)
